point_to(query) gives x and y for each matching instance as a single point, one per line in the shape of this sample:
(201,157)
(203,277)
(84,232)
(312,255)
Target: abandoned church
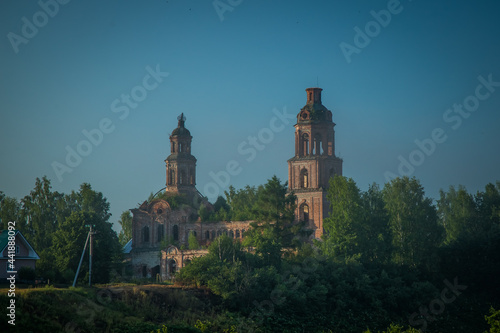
(309,171)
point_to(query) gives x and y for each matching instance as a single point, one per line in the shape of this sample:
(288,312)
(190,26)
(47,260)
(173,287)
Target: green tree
(493,320)
(126,223)
(193,242)
(9,211)
(275,227)
(88,207)
(204,213)
(241,203)
(377,245)
(70,239)
(39,214)
(413,221)
(457,213)
(344,236)
(488,205)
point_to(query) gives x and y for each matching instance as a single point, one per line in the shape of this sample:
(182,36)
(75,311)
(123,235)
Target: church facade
(309,171)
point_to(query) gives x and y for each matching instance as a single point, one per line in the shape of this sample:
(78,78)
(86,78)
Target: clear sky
(391,73)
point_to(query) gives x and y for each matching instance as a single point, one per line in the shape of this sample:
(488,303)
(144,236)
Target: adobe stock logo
(453,116)
(122,106)
(372,29)
(437,306)
(29,29)
(249,148)
(222,6)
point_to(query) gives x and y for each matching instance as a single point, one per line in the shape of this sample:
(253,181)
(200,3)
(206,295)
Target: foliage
(54,224)
(242,203)
(458,213)
(9,211)
(26,273)
(371,271)
(193,242)
(125,222)
(175,200)
(397,329)
(377,247)
(493,320)
(344,235)
(412,220)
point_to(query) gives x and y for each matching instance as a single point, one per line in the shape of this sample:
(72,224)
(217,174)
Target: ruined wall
(155,224)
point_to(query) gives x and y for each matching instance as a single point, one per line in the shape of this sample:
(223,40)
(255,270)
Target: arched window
(175,232)
(237,234)
(172,147)
(180,147)
(231,233)
(317,145)
(305,144)
(161,232)
(191,177)
(213,234)
(172,267)
(171,180)
(145,234)
(207,234)
(304,178)
(304,212)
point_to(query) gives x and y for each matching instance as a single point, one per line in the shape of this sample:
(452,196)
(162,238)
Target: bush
(27,274)
(493,320)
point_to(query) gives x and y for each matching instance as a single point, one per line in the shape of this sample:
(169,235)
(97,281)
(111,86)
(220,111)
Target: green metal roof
(4,240)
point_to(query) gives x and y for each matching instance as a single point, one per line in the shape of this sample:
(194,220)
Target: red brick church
(308,174)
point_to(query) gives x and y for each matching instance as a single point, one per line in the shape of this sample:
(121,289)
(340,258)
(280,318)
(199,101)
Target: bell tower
(314,162)
(181,165)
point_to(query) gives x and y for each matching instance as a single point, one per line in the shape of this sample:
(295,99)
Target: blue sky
(230,76)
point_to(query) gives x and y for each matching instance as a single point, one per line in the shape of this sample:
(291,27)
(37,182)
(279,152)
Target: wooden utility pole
(91,253)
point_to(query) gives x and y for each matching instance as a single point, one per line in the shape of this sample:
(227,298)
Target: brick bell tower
(181,165)
(314,162)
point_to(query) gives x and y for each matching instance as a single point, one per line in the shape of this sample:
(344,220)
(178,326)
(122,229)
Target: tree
(493,320)
(488,205)
(126,223)
(88,207)
(457,213)
(275,227)
(413,221)
(70,239)
(377,245)
(39,214)
(344,236)
(193,242)
(9,211)
(241,203)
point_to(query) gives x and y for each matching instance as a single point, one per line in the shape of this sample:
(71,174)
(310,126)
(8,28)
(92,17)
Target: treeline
(388,255)
(57,224)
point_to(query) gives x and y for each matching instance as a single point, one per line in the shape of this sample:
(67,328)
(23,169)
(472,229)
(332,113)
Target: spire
(181,120)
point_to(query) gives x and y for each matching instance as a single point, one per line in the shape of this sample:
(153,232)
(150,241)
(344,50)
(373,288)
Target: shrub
(27,274)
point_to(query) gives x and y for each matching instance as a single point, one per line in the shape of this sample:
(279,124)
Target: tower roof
(314,110)
(181,130)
